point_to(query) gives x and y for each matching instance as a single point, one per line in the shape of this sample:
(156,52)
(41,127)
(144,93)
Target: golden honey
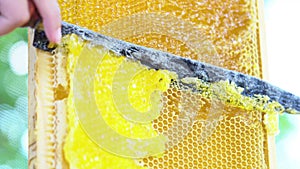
(226,28)
(226,132)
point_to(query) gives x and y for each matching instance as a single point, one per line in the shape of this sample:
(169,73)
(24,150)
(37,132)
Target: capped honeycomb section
(223,33)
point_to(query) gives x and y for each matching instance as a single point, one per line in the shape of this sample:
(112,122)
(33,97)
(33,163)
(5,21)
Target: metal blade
(184,67)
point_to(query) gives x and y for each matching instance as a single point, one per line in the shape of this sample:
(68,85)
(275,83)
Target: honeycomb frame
(52,113)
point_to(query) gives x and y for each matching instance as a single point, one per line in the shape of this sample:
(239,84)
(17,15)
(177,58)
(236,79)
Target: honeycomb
(207,129)
(220,32)
(199,129)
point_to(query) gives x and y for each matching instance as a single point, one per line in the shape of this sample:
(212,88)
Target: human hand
(16,13)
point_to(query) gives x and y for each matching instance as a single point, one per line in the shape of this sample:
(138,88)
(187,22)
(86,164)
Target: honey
(225,122)
(220,32)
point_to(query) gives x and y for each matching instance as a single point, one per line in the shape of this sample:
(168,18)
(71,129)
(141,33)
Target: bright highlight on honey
(139,86)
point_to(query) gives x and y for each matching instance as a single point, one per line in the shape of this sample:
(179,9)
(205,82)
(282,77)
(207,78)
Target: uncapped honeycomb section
(227,141)
(205,129)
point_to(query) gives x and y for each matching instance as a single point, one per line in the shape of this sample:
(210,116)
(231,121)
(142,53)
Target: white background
(282,19)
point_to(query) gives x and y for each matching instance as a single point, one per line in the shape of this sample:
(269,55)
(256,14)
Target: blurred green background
(13,100)
(282,33)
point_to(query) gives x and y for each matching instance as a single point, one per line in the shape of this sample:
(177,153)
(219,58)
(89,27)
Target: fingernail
(57,36)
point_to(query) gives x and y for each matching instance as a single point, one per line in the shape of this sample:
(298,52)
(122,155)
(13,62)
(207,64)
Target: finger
(50,13)
(12,15)
(8,25)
